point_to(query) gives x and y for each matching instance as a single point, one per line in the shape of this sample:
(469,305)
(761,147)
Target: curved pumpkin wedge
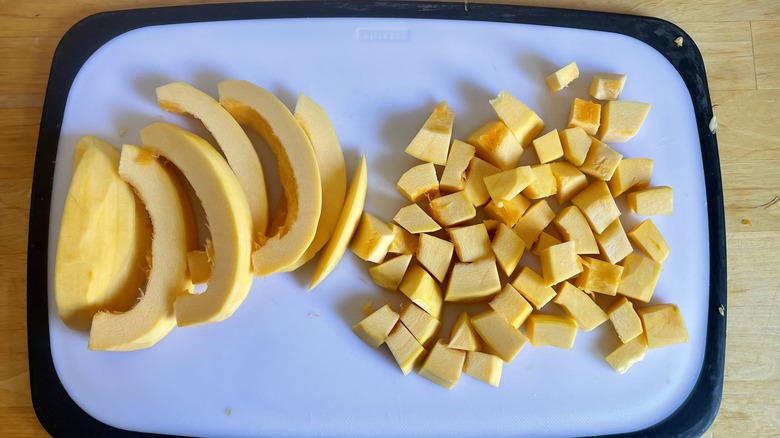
(255,107)
(333,174)
(182,98)
(229,221)
(103,241)
(152,318)
(88,142)
(345,227)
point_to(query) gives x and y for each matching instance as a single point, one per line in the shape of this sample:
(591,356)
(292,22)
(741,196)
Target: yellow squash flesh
(333,173)
(345,227)
(228,217)
(182,98)
(104,238)
(255,107)
(152,318)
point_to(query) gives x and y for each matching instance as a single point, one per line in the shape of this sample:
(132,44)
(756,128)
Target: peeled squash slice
(179,97)
(103,241)
(333,174)
(152,318)
(345,227)
(253,106)
(229,221)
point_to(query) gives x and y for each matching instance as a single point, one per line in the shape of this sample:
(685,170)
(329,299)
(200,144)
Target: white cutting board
(286,363)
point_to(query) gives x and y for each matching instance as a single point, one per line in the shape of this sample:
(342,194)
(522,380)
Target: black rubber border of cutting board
(60,415)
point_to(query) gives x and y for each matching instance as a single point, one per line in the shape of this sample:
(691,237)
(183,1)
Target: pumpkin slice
(152,318)
(182,98)
(262,111)
(333,173)
(228,217)
(103,241)
(345,227)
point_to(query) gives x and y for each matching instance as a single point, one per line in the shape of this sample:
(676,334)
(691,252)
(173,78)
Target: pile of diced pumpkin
(473,213)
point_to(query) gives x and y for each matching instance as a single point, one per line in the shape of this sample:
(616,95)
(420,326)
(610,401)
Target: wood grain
(767,53)
(740,42)
(727,49)
(750,155)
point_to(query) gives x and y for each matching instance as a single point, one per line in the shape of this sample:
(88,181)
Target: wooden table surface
(740,42)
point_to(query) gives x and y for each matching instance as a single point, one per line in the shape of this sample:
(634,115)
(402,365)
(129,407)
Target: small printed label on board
(383,35)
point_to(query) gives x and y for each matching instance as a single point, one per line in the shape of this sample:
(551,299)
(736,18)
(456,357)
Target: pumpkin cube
(628,354)
(586,115)
(403,242)
(472,242)
(511,306)
(452,209)
(559,263)
(406,350)
(621,120)
(548,147)
(372,239)
(625,319)
(652,201)
(601,161)
(580,307)
(483,366)
(614,243)
(543,185)
(575,143)
(607,86)
(505,340)
(475,281)
(432,142)
(563,77)
(598,205)
(434,254)
(631,173)
(453,178)
(524,123)
(573,226)
(552,330)
(599,276)
(510,212)
(475,190)
(544,241)
(463,335)
(649,240)
(443,365)
(496,144)
(418,182)
(533,287)
(640,276)
(508,248)
(505,185)
(664,325)
(415,220)
(422,289)
(535,219)
(375,328)
(568,180)
(388,274)
(420,324)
